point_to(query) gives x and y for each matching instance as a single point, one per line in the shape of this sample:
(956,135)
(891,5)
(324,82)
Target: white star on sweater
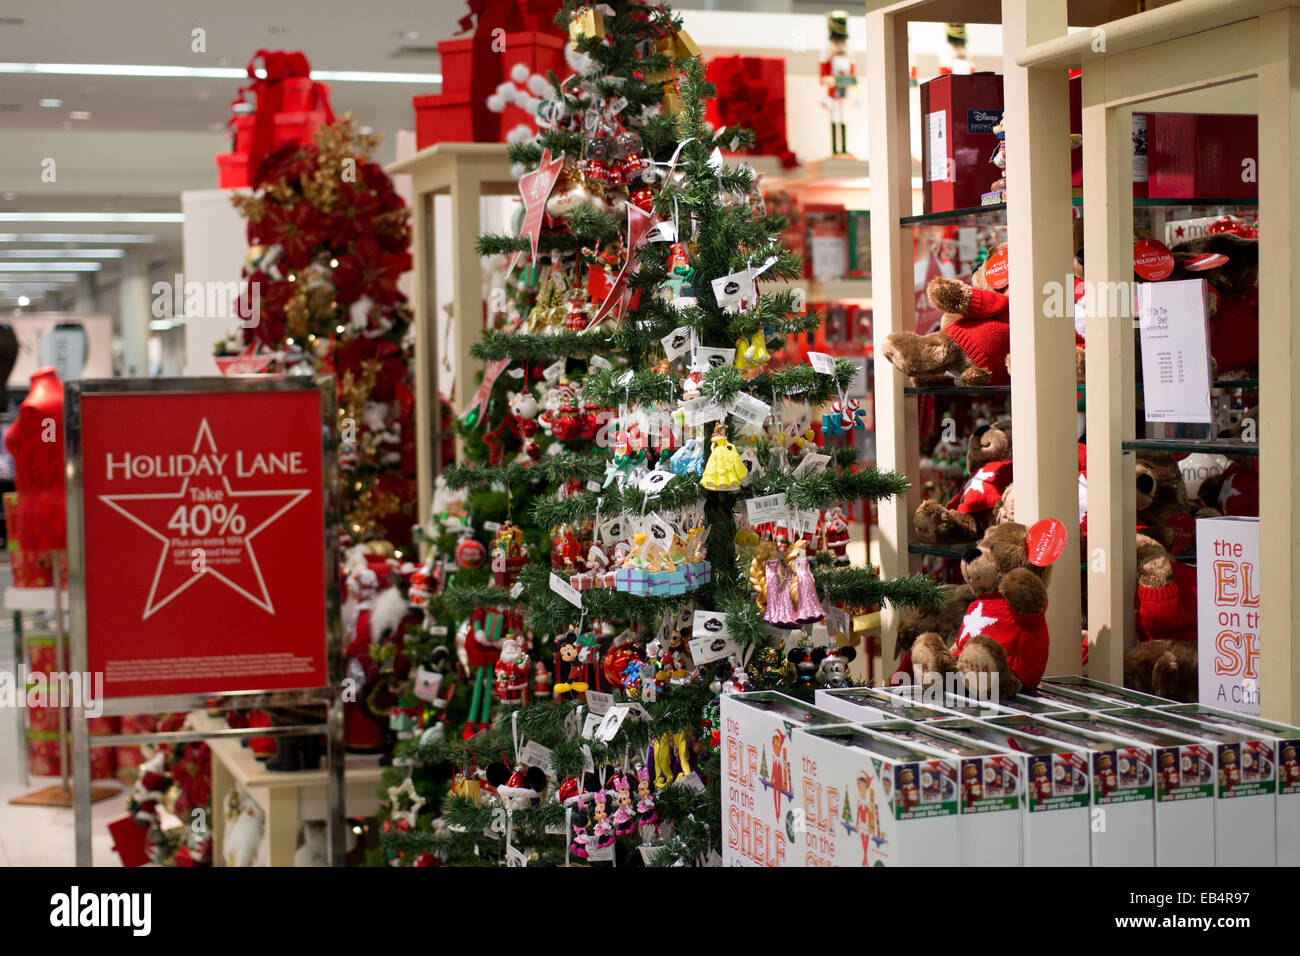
(977,480)
(974,622)
(1228,491)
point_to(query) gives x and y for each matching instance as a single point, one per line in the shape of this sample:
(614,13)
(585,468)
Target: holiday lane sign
(203,522)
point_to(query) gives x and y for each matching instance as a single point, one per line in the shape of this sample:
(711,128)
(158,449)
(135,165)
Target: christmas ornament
(645,801)
(725,471)
(625,817)
(404,803)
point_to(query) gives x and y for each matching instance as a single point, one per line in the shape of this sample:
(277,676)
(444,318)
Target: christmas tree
(624,521)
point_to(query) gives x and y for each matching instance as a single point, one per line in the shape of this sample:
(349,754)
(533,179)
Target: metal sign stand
(331,696)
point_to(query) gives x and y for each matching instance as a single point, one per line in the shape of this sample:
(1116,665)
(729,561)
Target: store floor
(39,836)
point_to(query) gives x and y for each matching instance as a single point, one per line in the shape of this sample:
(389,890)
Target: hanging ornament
(725,471)
(469,553)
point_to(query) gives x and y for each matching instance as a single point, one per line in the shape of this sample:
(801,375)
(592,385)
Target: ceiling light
(9,288)
(65,237)
(51,266)
(51,102)
(79,115)
(14,280)
(206,72)
(62,253)
(92,217)
(24,301)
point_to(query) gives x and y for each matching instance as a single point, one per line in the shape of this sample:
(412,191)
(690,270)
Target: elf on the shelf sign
(1227,588)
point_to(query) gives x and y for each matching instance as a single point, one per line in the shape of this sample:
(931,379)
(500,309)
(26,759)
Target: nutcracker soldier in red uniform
(838,74)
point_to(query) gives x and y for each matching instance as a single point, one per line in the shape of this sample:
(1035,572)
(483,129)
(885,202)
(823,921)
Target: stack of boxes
(1081,774)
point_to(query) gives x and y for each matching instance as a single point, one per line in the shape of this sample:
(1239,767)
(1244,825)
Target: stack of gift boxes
(908,777)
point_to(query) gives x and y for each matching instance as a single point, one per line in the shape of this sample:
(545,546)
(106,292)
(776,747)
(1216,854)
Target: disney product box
(1181,772)
(1122,820)
(990,791)
(1239,771)
(1056,791)
(1108,695)
(871,800)
(761,762)
(958,114)
(866,704)
(1275,743)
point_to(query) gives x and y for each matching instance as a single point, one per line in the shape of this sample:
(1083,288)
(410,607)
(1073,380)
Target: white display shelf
(32,599)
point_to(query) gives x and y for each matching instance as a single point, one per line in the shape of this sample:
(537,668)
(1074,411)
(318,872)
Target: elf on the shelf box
(870,800)
(1106,695)
(1183,809)
(1227,613)
(990,791)
(761,763)
(1284,743)
(1239,770)
(866,704)
(953,705)
(1057,800)
(1122,820)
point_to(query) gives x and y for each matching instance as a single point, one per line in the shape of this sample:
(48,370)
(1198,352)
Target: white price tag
(709,624)
(665,231)
(705,650)
(438,630)
(515,372)
(821,362)
(517,590)
(566,590)
(837,620)
(806,521)
(677,342)
(655,481)
(661,532)
(600,854)
(691,782)
(703,359)
(618,105)
(589,725)
(766,508)
(729,290)
(554,370)
(599,703)
(596,363)
(625,379)
(588,765)
(593,485)
(749,409)
(701,411)
(812,464)
(515,858)
(533,754)
(610,723)
(649,852)
(611,531)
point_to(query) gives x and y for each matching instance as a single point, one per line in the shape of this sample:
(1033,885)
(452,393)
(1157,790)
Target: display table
(286,798)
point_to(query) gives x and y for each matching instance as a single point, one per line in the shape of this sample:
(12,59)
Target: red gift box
(43,756)
(471,71)
(958,114)
(1191,155)
(751,93)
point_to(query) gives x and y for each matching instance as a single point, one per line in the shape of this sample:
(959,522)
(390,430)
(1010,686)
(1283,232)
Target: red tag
(1184,529)
(1045,542)
(995,270)
(1152,260)
(1205,261)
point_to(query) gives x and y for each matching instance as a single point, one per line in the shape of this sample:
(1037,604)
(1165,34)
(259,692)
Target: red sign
(1152,259)
(1045,542)
(203,535)
(996,270)
(536,187)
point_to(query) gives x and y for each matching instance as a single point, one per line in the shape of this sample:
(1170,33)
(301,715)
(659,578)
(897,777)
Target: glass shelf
(1209,446)
(958,390)
(1139,202)
(953,214)
(938,550)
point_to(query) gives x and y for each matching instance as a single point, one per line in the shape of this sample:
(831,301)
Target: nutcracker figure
(953,59)
(837,76)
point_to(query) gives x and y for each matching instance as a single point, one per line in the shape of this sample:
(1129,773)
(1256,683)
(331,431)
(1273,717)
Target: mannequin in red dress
(35,440)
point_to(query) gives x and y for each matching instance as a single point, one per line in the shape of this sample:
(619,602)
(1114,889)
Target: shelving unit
(1245,53)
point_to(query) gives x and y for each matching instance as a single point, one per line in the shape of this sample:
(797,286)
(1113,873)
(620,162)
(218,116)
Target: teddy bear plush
(1164,600)
(1004,630)
(974,508)
(1164,668)
(1235,490)
(971,345)
(1164,511)
(943,619)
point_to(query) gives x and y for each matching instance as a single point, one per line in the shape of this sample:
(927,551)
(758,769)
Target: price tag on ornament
(611,531)
(662,231)
(812,464)
(515,372)
(493,526)
(691,782)
(705,650)
(703,358)
(821,362)
(805,521)
(710,624)
(599,703)
(566,590)
(515,858)
(438,630)
(649,852)
(611,722)
(661,532)
(533,754)
(588,765)
(701,411)
(837,621)
(600,854)
(553,371)
(715,159)
(677,342)
(596,363)
(593,485)
(749,409)
(589,725)
(618,105)
(517,590)
(735,289)
(766,508)
(655,482)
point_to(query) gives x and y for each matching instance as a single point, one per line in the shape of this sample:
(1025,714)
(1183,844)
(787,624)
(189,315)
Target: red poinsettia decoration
(368,270)
(297,229)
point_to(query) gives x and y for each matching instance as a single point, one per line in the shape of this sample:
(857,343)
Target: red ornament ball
(470,553)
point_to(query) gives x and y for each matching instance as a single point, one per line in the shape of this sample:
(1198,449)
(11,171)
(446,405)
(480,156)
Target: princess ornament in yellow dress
(725,471)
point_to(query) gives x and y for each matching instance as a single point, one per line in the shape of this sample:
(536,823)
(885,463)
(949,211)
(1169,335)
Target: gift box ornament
(632,580)
(587,24)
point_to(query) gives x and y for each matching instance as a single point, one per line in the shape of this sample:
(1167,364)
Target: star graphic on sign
(1179,231)
(255,510)
(1228,491)
(975,621)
